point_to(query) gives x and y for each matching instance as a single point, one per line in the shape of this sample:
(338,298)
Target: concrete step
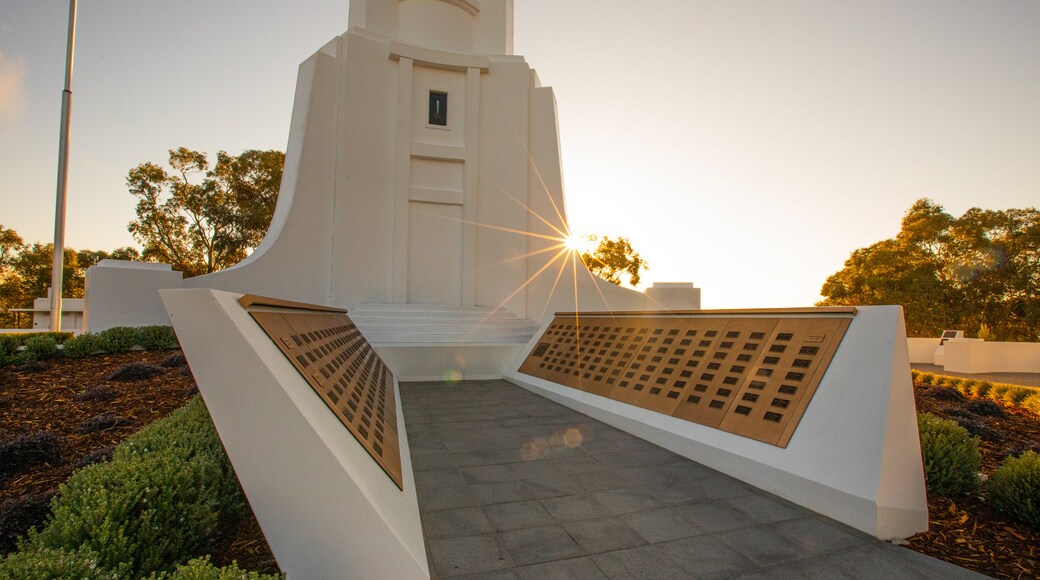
(436,325)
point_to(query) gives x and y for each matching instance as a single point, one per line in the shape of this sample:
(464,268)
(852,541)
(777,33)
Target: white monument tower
(423,168)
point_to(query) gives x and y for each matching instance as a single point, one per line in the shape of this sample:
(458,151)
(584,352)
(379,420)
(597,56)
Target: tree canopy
(612,258)
(202,219)
(982,268)
(25,272)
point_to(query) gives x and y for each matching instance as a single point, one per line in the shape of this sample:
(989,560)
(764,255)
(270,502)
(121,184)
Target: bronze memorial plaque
(750,373)
(342,368)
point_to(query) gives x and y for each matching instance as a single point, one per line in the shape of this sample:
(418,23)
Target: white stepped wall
(430,342)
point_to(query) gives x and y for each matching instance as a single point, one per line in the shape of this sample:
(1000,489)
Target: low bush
(83,345)
(174,361)
(102,422)
(98,393)
(18,514)
(158,502)
(9,344)
(135,371)
(97,456)
(981,389)
(119,338)
(985,408)
(1015,395)
(923,378)
(203,569)
(1014,489)
(951,456)
(21,337)
(47,563)
(976,427)
(40,347)
(998,391)
(945,394)
(29,365)
(157,337)
(24,451)
(1032,404)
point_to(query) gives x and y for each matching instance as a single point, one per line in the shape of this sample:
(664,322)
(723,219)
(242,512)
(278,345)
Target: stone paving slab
(514,486)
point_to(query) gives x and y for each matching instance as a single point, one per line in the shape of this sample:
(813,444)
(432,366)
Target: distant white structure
(125,293)
(976,356)
(71,314)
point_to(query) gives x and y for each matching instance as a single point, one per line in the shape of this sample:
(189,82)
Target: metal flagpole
(63,177)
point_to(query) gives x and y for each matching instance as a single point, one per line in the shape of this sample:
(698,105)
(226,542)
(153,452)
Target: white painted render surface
(125,293)
(326,507)
(855,456)
(379,205)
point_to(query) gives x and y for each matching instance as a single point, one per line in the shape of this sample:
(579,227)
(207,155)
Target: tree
(25,272)
(612,258)
(10,244)
(982,268)
(202,220)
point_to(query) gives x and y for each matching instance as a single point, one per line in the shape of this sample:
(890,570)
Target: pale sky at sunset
(747,146)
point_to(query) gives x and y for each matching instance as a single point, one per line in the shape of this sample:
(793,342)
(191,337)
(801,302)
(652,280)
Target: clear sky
(747,146)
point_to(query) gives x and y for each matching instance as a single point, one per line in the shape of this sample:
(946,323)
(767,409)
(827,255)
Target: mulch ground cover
(88,412)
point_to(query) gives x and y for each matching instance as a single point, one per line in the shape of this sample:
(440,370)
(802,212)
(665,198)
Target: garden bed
(89,412)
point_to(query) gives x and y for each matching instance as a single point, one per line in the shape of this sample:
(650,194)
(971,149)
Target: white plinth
(855,456)
(325,506)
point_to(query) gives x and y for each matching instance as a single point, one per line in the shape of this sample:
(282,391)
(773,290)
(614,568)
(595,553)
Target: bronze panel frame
(747,372)
(708,399)
(343,369)
(781,401)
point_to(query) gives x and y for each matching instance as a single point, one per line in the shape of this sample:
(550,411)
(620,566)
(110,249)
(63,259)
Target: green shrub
(1014,489)
(1032,403)
(203,569)
(159,501)
(981,389)
(40,347)
(119,338)
(954,382)
(968,386)
(56,563)
(951,456)
(9,344)
(83,345)
(157,337)
(925,378)
(997,392)
(1015,395)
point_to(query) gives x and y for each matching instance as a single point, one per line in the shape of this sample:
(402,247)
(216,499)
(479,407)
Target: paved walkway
(1026,379)
(512,485)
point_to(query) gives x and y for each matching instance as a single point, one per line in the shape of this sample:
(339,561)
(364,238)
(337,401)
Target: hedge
(160,502)
(950,455)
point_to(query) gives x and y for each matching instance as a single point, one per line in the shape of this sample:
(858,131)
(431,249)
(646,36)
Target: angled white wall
(326,507)
(855,456)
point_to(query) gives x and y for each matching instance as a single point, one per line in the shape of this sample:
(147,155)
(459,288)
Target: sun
(575,243)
